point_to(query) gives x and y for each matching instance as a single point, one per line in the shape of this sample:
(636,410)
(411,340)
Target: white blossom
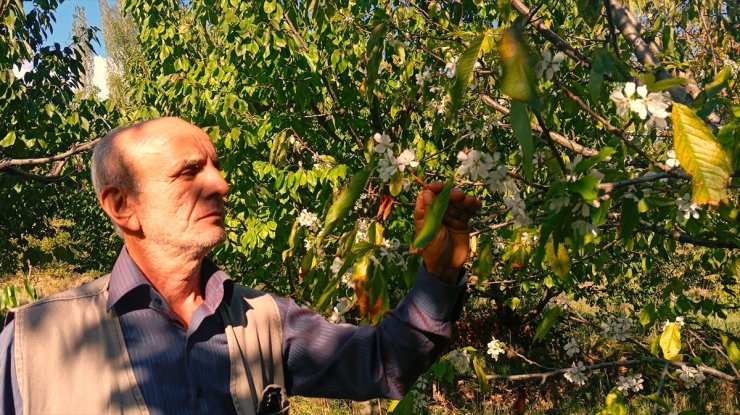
(383,141)
(571,348)
(516,206)
(584,227)
(630,383)
(690,376)
(336,266)
(576,374)
(672,161)
(686,208)
(559,202)
(460,361)
(339,310)
(495,348)
(451,67)
(423,77)
(475,164)
(617,327)
(622,98)
(550,64)
(308,220)
(406,158)
(387,166)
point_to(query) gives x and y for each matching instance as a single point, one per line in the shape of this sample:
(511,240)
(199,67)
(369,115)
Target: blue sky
(63,26)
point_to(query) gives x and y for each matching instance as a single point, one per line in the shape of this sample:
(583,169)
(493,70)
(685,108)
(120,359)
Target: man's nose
(216,182)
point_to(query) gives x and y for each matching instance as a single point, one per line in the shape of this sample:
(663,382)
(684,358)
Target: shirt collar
(126,276)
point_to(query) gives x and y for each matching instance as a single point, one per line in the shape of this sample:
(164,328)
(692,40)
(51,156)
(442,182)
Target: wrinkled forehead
(159,143)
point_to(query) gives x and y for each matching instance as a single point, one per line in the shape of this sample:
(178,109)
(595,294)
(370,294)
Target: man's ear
(116,202)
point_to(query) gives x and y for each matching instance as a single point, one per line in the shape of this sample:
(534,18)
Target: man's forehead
(172,136)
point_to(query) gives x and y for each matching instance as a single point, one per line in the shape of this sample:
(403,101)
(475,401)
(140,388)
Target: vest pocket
(273,401)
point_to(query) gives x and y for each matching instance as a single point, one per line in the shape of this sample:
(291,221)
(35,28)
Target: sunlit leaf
(480,373)
(344,203)
(434,216)
(549,317)
(517,71)
(670,341)
(701,155)
(464,72)
(560,261)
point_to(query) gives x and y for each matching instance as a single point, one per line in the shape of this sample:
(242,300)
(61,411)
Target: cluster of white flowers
(562,301)
(690,376)
(309,220)
(339,310)
(571,348)
(680,321)
(336,266)
(495,348)
(472,133)
(576,374)
(459,360)
(390,253)
(672,161)
(389,165)
(630,383)
(359,204)
(482,166)
(423,77)
(362,227)
(638,100)
(686,208)
(451,66)
(617,327)
(550,64)
(527,240)
(584,227)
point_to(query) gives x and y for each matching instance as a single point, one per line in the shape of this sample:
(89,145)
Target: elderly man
(168,332)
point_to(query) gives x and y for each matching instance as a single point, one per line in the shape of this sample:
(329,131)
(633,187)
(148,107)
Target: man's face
(180,197)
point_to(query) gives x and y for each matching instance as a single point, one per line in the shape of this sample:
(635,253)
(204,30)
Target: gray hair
(110,167)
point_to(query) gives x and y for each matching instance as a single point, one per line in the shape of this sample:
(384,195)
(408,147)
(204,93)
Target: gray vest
(71,357)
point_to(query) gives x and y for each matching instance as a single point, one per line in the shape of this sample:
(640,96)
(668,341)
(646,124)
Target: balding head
(112,161)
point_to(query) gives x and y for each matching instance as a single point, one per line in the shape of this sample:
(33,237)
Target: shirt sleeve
(323,359)
(10,398)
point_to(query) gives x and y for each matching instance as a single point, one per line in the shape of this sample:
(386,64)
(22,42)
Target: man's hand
(445,255)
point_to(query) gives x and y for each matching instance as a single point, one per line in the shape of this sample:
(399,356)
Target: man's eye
(191,171)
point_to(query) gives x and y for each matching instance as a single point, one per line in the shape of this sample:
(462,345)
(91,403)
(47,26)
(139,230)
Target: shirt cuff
(436,298)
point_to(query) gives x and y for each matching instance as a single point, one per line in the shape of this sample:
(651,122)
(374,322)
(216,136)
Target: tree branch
(614,130)
(604,365)
(75,149)
(562,140)
(686,238)
(548,34)
(35,177)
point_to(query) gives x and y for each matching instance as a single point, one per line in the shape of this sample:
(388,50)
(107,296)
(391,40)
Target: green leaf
(9,139)
(589,10)
(667,83)
(523,131)
(719,82)
(517,72)
(434,216)
(464,72)
(480,373)
(670,341)
(343,204)
(595,83)
(658,400)
(374,55)
(629,218)
(732,350)
(560,261)
(587,187)
(549,317)
(701,155)
(648,315)
(729,139)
